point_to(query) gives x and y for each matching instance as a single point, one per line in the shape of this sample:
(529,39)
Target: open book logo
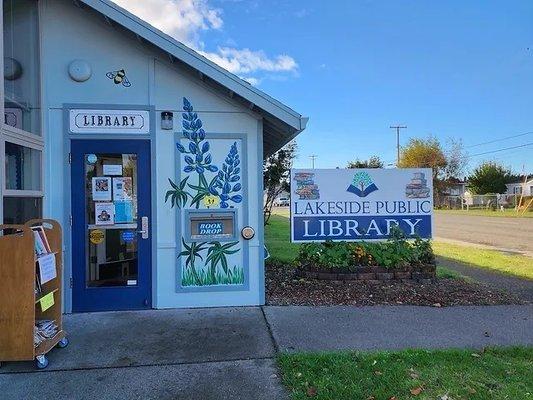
(362,185)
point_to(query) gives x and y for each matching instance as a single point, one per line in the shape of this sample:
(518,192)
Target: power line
(499,140)
(498,150)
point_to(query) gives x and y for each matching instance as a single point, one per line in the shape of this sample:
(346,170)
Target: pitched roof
(280,124)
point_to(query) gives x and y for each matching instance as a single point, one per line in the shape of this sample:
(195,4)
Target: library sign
(109,121)
(360,204)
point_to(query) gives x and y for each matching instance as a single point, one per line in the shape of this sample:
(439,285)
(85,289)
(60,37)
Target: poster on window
(104,213)
(123,211)
(101,188)
(122,189)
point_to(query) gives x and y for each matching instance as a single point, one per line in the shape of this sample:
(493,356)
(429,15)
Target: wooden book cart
(20,306)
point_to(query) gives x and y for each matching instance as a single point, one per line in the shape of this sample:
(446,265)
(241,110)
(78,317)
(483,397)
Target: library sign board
(360,204)
(109,121)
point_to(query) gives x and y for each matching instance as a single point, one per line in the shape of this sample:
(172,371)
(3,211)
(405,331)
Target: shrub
(396,252)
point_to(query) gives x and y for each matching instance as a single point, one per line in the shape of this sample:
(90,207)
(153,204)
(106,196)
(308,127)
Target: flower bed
(395,259)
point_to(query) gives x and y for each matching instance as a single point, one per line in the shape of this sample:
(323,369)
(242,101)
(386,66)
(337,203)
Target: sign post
(360,204)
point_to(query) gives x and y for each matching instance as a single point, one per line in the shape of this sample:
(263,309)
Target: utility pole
(398,127)
(313,157)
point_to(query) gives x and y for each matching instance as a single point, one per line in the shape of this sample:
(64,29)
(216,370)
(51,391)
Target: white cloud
(184,20)
(245,61)
(251,80)
(181,19)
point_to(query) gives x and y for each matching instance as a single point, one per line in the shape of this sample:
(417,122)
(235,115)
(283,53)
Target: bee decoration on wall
(119,77)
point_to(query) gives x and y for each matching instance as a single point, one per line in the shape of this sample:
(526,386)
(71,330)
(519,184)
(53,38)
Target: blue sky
(453,69)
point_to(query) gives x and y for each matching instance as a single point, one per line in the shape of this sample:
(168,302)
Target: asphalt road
(506,233)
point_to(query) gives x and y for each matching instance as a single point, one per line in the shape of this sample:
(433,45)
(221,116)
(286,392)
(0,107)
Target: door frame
(68,136)
(110,298)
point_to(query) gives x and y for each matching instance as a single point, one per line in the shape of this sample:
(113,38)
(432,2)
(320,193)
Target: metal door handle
(144,228)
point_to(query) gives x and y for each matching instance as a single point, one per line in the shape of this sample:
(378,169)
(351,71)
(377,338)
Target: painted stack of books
(306,187)
(417,188)
(44,329)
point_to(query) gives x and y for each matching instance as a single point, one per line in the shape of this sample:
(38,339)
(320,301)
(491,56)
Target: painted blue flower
(200,159)
(227,185)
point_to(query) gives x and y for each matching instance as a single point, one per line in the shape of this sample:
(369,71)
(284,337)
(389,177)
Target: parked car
(282,202)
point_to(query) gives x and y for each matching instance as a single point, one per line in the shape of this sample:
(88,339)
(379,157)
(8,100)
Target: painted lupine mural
(210,177)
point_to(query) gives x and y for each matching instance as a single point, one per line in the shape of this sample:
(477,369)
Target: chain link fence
(479,202)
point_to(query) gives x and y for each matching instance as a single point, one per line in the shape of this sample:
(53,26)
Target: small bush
(396,252)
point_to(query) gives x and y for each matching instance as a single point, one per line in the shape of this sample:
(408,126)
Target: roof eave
(199,62)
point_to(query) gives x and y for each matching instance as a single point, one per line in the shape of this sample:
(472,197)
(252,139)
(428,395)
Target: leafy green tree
(372,162)
(446,163)
(276,176)
(489,177)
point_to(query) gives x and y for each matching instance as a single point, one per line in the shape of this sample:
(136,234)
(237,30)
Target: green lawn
(412,374)
(277,240)
(508,213)
(511,264)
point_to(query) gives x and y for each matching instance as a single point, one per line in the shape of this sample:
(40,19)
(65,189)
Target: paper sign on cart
(47,267)
(47,301)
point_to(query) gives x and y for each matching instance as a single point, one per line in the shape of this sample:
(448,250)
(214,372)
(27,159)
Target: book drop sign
(360,204)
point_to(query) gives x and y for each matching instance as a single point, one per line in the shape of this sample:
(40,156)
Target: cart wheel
(63,343)
(41,362)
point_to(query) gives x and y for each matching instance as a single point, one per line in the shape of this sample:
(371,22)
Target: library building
(130,165)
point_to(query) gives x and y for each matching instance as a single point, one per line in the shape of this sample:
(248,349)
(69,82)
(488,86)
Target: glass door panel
(111,212)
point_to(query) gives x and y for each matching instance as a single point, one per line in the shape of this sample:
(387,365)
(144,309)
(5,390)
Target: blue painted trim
(179,213)
(67,229)
(111,298)
(187,232)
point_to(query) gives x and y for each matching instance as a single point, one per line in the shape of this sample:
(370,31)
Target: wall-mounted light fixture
(167,122)
(79,70)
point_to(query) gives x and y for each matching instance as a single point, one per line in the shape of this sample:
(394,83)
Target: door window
(111,213)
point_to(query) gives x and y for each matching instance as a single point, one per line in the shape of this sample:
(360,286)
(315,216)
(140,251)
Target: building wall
(69,33)
(526,188)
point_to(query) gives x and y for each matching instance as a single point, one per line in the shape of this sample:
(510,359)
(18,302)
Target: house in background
(520,187)
(456,187)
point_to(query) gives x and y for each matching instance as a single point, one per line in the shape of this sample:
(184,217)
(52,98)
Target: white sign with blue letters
(360,204)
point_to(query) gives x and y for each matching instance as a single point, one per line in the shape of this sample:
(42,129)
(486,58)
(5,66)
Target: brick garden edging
(421,274)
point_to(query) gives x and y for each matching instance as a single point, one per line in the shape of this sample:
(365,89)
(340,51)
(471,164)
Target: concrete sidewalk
(399,327)
(230,353)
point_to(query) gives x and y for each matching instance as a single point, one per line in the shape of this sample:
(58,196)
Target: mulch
(283,287)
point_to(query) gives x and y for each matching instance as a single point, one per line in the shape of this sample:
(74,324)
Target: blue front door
(111,229)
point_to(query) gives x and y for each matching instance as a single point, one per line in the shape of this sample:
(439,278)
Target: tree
(489,177)
(372,162)
(276,176)
(446,163)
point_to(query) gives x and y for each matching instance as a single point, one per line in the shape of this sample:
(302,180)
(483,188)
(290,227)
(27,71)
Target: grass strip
(511,264)
(507,213)
(495,373)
